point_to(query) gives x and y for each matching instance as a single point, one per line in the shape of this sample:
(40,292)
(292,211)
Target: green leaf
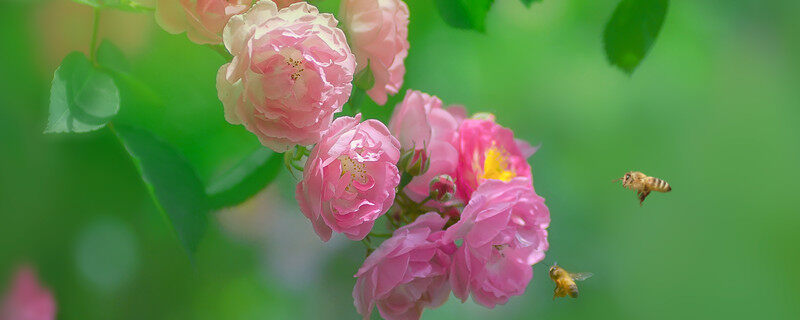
(364,80)
(528,3)
(109,56)
(465,14)
(631,31)
(244,180)
(82,98)
(171,181)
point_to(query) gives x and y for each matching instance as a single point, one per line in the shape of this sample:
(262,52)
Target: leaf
(244,180)
(365,80)
(108,55)
(465,14)
(172,183)
(528,3)
(631,31)
(82,98)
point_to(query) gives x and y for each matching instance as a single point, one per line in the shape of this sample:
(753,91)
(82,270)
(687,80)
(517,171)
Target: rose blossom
(504,233)
(291,71)
(407,272)
(419,122)
(349,178)
(489,151)
(27,299)
(378,30)
(202,20)
(285,3)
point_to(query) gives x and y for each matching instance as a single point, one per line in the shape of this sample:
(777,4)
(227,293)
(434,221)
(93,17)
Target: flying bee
(565,281)
(643,184)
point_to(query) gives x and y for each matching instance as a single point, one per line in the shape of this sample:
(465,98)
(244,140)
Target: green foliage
(124,5)
(465,14)
(82,98)
(247,178)
(171,181)
(528,3)
(364,79)
(632,30)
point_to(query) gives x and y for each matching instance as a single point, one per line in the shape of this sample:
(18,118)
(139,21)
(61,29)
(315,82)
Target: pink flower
(202,20)
(488,151)
(407,273)
(504,233)
(291,71)
(349,178)
(378,30)
(418,122)
(27,299)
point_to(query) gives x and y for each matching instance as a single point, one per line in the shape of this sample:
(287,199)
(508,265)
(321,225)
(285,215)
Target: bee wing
(581,276)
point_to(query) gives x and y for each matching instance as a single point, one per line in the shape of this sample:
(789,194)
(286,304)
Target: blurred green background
(713,109)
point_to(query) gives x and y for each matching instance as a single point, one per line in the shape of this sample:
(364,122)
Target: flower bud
(442,188)
(415,162)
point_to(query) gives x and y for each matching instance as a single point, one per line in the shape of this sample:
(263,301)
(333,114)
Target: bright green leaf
(82,98)
(171,181)
(632,30)
(465,14)
(528,3)
(244,180)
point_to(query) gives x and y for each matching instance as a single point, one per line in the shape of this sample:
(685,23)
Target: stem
(95,27)
(380,235)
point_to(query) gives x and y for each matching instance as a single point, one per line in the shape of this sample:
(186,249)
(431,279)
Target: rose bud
(415,162)
(443,187)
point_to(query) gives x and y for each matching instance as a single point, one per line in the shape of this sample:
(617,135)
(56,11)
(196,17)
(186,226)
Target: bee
(643,184)
(565,281)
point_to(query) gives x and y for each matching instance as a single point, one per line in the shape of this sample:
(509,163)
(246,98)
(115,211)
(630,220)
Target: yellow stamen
(496,166)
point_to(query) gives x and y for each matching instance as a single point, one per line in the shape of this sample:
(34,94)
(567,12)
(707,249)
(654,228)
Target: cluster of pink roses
(456,191)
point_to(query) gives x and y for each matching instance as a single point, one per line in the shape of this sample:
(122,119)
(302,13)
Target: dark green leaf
(465,14)
(171,181)
(632,30)
(244,180)
(82,98)
(109,56)
(528,3)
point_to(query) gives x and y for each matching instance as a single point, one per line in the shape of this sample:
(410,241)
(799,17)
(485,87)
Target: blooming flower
(291,71)
(504,233)
(202,20)
(285,3)
(407,272)
(378,30)
(349,178)
(27,299)
(488,151)
(419,122)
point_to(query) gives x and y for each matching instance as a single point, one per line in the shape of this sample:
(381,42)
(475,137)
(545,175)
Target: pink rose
(291,71)
(349,178)
(504,233)
(407,273)
(27,299)
(378,30)
(488,151)
(202,20)
(420,121)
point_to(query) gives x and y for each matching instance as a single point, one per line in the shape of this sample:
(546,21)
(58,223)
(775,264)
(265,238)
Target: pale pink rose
(349,178)
(418,122)
(408,272)
(291,71)
(26,299)
(488,151)
(378,30)
(202,20)
(504,232)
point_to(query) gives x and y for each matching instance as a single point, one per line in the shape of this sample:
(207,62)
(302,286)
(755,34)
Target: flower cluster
(455,192)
